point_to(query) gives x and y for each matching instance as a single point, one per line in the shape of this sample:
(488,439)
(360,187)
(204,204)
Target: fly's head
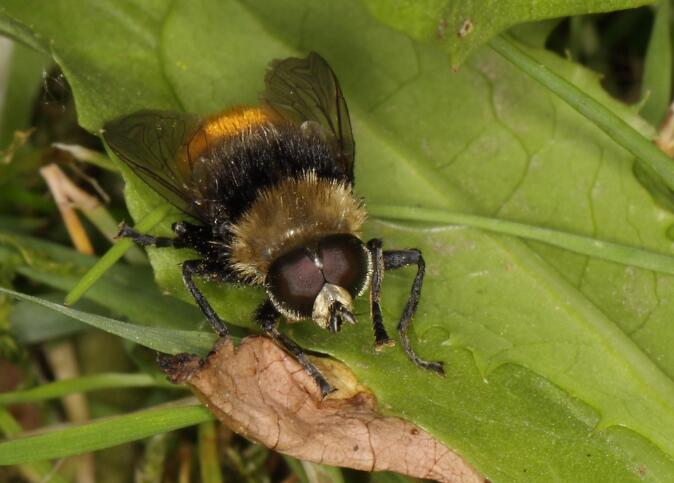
(320,280)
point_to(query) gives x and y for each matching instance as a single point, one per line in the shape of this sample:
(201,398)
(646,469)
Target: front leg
(202,269)
(403,258)
(188,236)
(267,317)
(381,338)
(143,240)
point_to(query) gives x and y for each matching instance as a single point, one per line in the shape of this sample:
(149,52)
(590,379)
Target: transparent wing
(302,90)
(154,145)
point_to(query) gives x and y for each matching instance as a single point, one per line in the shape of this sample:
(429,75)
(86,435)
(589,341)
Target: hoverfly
(271,189)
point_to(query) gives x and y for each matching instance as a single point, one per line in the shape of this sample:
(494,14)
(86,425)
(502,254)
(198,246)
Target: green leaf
(461,26)
(169,341)
(656,85)
(620,131)
(102,433)
(559,366)
(95,382)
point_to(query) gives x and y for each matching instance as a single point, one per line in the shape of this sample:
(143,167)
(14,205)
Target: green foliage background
(559,366)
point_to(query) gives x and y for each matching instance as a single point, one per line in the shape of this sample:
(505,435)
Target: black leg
(201,269)
(195,237)
(267,316)
(187,234)
(404,258)
(125,231)
(381,338)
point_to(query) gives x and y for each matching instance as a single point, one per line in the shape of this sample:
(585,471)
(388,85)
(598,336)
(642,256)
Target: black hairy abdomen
(235,171)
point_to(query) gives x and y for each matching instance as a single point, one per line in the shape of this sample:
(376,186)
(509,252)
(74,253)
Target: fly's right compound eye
(345,262)
(294,281)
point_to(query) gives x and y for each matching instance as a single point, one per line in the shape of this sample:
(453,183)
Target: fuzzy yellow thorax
(292,213)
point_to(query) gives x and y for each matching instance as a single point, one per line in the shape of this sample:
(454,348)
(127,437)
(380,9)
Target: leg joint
(403,258)
(266,315)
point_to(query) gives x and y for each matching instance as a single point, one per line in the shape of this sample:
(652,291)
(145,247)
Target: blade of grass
(108,226)
(621,132)
(114,254)
(58,185)
(150,466)
(71,199)
(20,224)
(388,477)
(38,470)
(169,341)
(208,454)
(96,382)
(100,434)
(87,155)
(317,473)
(296,468)
(124,290)
(613,252)
(656,84)
(33,324)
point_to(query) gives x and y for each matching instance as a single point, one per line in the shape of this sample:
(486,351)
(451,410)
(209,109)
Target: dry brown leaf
(264,394)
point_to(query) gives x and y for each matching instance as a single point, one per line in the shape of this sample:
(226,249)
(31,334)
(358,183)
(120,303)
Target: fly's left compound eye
(294,280)
(345,262)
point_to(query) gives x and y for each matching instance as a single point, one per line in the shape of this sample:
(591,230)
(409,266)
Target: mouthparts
(332,307)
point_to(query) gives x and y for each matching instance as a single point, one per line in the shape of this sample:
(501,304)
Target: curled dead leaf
(262,393)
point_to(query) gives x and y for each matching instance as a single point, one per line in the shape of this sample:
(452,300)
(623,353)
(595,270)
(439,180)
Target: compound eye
(344,261)
(295,281)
